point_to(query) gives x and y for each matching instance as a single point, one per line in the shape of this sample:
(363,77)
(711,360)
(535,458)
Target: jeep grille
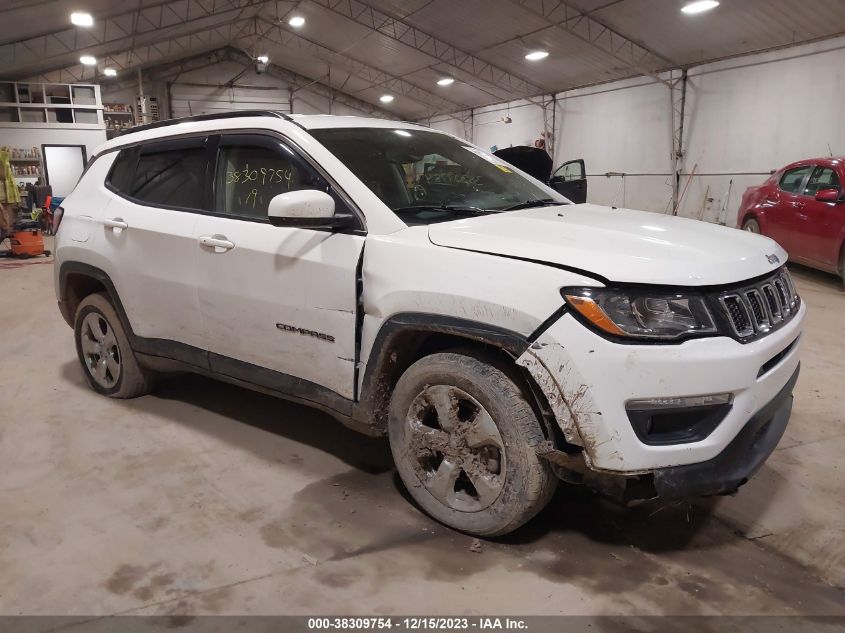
(757,309)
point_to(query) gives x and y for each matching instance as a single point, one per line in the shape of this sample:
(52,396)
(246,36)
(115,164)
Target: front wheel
(464,440)
(751,225)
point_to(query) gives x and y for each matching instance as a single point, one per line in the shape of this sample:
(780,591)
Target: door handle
(219,243)
(115,223)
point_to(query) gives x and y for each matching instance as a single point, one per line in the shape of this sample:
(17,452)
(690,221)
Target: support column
(678,102)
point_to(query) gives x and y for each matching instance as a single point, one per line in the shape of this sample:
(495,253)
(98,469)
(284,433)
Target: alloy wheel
(100,350)
(456,448)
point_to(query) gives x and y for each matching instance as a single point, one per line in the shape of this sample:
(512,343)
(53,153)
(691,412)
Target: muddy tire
(463,438)
(751,225)
(108,362)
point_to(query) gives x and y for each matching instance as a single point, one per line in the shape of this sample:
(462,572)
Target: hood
(532,160)
(618,244)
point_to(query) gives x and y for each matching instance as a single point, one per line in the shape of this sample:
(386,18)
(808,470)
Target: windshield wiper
(542,202)
(456,208)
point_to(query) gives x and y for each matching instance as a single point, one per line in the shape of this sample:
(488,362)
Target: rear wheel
(463,438)
(751,225)
(103,348)
(842,266)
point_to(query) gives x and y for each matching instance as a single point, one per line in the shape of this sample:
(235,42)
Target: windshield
(427,177)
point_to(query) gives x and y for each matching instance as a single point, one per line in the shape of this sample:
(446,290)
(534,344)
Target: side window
(122,169)
(792,179)
(822,178)
(252,170)
(171,174)
(572,170)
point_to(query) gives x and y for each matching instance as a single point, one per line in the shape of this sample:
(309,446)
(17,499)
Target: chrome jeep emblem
(773,259)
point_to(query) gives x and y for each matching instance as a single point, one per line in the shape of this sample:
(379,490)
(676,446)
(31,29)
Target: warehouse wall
(745,117)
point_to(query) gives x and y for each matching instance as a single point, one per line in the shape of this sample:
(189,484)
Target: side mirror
(828,195)
(307,208)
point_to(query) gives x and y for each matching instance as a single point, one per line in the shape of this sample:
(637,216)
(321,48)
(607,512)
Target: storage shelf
(25,160)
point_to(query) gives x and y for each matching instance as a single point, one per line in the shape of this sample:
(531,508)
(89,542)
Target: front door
(279,304)
(783,217)
(817,236)
(570,179)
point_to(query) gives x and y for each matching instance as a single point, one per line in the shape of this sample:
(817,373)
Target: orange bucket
(27,243)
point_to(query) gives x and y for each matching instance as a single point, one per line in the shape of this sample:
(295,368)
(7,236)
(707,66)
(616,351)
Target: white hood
(618,244)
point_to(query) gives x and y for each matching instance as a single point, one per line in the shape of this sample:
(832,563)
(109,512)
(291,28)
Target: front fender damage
(571,402)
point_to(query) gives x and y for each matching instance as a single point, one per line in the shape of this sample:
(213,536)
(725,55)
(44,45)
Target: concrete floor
(206,498)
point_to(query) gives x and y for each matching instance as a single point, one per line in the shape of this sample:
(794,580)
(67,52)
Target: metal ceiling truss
(109,35)
(278,36)
(489,76)
(169,49)
(588,29)
(170,72)
(300,82)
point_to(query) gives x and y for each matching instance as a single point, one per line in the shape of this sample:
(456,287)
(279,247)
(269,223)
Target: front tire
(108,362)
(752,226)
(464,440)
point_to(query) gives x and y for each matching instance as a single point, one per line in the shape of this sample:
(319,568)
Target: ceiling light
(296,21)
(535,56)
(81,19)
(446,81)
(262,58)
(88,60)
(110,72)
(700,6)
(386,98)
(402,132)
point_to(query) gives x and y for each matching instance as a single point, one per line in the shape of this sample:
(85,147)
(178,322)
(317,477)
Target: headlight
(642,314)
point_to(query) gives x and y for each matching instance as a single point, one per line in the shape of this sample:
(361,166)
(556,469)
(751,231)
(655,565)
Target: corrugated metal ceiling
(409,44)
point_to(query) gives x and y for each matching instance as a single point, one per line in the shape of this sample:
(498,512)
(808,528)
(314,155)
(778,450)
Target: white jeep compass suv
(413,285)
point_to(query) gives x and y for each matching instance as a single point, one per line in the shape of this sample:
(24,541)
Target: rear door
(570,179)
(146,238)
(275,298)
(783,221)
(817,237)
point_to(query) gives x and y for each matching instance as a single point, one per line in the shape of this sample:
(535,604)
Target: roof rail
(207,117)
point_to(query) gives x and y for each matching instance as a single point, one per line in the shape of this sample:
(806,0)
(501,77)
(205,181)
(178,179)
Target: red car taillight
(57,219)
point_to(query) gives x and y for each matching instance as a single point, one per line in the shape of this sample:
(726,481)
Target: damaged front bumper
(588,381)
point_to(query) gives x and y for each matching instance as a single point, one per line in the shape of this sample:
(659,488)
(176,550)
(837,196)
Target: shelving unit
(117,117)
(50,105)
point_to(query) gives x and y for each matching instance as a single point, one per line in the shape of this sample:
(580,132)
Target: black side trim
(291,387)
(399,336)
(545,325)
(740,459)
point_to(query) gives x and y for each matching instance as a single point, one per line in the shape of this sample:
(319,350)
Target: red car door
(782,218)
(820,221)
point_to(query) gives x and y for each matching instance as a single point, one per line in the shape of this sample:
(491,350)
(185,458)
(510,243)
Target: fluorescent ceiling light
(446,81)
(700,6)
(110,72)
(81,19)
(263,59)
(296,21)
(88,60)
(402,132)
(536,55)
(386,98)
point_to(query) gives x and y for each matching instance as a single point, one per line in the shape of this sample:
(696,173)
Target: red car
(802,208)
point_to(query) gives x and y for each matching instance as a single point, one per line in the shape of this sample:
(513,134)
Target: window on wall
(792,179)
(170,174)
(822,178)
(252,170)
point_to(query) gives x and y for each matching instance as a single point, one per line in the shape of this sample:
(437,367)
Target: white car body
(259,306)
